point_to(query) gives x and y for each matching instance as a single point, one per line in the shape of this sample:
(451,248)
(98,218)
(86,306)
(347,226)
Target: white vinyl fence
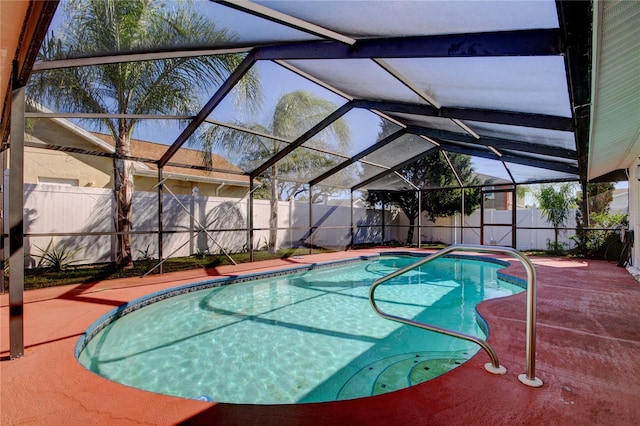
(74,212)
(447,230)
(78,211)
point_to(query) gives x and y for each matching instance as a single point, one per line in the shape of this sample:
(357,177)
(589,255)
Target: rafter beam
(523,160)
(395,168)
(504,43)
(576,29)
(511,144)
(527,161)
(286,20)
(208,108)
(137,56)
(508,43)
(272,137)
(100,116)
(303,138)
(18,59)
(540,121)
(82,151)
(358,156)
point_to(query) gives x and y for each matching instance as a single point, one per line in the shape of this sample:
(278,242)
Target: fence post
(250,220)
(351,234)
(310,240)
(160,219)
(419,218)
(193,233)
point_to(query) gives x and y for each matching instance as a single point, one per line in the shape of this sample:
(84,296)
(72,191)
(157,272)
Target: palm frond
(299,111)
(150,87)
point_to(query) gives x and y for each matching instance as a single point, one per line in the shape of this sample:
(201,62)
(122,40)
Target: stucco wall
(92,171)
(88,170)
(181,186)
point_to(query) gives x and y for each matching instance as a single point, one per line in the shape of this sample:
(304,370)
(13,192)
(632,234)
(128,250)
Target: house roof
(152,150)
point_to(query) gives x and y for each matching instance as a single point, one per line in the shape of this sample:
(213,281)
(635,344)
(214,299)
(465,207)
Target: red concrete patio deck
(588,356)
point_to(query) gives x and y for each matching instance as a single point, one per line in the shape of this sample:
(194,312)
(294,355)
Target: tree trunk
(273,203)
(123,191)
(585,204)
(412,221)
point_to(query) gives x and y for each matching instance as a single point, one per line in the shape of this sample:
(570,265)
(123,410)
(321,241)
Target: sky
(277,81)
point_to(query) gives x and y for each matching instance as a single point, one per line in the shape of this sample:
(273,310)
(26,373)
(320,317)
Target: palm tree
(168,86)
(295,113)
(556,206)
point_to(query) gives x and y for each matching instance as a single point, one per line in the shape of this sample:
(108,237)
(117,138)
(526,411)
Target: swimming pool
(309,336)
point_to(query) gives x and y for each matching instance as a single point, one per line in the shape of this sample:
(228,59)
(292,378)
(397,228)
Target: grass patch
(42,278)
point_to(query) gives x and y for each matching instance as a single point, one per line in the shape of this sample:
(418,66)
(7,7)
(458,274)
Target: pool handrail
(529,378)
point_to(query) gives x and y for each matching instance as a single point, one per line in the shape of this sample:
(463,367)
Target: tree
(447,202)
(168,86)
(294,113)
(593,243)
(556,205)
(407,201)
(599,196)
(432,171)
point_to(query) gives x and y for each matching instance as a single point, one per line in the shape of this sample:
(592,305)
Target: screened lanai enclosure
(238,126)
(161,130)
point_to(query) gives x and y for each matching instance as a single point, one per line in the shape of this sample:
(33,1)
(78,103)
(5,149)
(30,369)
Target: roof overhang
(615,110)
(24,26)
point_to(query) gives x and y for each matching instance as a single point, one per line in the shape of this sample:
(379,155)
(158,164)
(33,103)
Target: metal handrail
(529,378)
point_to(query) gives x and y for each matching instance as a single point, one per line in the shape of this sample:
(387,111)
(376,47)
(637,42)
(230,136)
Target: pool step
(398,372)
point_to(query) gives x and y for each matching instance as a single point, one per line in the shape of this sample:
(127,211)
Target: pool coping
(575,296)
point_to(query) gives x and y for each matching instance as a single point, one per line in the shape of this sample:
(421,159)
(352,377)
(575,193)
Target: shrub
(56,258)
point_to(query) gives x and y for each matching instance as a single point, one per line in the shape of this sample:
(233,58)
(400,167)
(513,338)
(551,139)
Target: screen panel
(523,84)
(371,18)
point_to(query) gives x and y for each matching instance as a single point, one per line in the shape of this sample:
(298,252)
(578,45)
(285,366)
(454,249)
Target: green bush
(56,258)
(595,244)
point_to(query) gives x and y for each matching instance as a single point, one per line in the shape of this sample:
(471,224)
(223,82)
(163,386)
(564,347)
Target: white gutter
(222,185)
(88,136)
(185,177)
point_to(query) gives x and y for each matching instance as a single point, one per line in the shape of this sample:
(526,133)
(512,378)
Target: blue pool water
(305,337)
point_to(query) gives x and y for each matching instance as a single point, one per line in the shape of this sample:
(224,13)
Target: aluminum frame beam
(526,161)
(542,42)
(272,137)
(559,167)
(576,29)
(420,156)
(82,151)
(540,121)
(504,43)
(90,115)
(495,142)
(217,97)
(137,56)
(303,138)
(286,20)
(16,225)
(358,156)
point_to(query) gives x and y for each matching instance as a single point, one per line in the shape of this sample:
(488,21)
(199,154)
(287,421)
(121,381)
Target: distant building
(620,202)
(498,200)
